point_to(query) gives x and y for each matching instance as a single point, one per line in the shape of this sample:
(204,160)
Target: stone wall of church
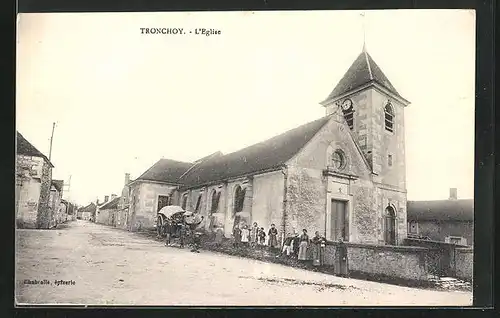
(267,203)
(389,143)
(306,200)
(385,197)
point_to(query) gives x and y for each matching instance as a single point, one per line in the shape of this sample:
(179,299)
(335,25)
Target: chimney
(453,194)
(113,196)
(127,178)
(106,198)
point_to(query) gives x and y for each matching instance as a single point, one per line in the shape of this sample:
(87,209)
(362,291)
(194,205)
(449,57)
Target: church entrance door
(339,222)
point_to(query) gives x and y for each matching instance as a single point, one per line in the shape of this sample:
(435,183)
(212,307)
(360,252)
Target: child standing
(262,237)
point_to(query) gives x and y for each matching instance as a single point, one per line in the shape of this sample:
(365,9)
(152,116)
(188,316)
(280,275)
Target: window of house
(215,201)
(389,117)
(162,201)
(338,159)
(239,199)
(389,160)
(413,227)
(390,226)
(184,201)
(349,116)
(198,204)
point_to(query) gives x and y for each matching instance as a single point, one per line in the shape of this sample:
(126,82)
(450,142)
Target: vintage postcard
(294,158)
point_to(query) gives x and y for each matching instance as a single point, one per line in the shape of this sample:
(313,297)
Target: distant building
(107,212)
(86,212)
(69,210)
(33,187)
(450,221)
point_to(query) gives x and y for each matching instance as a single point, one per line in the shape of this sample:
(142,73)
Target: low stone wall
(406,262)
(464,259)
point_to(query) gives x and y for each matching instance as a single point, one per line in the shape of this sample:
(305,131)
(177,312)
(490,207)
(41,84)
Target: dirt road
(87,263)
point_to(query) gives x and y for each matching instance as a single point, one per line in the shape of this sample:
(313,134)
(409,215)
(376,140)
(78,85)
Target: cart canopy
(170,210)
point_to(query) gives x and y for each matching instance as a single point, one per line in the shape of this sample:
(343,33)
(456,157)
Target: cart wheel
(159,225)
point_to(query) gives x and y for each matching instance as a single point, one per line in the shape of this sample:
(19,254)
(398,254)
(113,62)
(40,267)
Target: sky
(122,100)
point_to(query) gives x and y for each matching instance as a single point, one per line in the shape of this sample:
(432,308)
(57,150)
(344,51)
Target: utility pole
(51,138)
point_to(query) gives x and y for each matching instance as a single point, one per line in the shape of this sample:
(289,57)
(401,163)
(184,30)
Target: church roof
(263,156)
(166,170)
(441,210)
(364,70)
(24,147)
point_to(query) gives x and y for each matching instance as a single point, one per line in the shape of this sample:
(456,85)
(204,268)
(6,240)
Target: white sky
(123,100)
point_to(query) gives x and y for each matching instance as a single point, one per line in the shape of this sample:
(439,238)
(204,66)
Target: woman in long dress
(254,234)
(304,241)
(273,237)
(341,267)
(318,244)
(236,236)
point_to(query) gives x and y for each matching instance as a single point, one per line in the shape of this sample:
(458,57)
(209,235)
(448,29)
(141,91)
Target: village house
(107,212)
(68,210)
(56,192)
(86,213)
(342,174)
(33,186)
(449,221)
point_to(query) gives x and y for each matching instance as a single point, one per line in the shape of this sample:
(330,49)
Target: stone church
(342,174)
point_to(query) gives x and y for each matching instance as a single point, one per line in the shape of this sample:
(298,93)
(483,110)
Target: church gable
(333,147)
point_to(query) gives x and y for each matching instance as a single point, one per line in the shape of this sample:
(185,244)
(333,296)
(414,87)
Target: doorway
(339,221)
(390,226)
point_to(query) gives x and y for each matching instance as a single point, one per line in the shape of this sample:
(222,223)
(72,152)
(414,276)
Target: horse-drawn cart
(179,225)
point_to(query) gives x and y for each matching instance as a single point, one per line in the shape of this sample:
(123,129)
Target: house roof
(24,147)
(113,204)
(58,184)
(166,170)
(364,70)
(89,208)
(265,155)
(441,210)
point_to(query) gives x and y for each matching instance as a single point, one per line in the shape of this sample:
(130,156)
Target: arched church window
(389,117)
(338,159)
(184,201)
(198,205)
(390,226)
(215,201)
(239,199)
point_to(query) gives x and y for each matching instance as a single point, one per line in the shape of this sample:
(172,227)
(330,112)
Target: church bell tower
(374,112)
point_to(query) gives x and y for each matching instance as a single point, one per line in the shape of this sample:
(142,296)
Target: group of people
(306,249)
(255,236)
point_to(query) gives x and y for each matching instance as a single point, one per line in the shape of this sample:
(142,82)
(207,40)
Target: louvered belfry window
(389,117)
(349,117)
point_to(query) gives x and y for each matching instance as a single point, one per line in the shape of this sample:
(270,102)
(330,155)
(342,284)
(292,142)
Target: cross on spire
(364,31)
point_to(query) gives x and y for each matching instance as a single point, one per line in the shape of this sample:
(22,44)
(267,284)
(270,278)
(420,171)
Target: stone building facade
(449,221)
(342,174)
(33,184)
